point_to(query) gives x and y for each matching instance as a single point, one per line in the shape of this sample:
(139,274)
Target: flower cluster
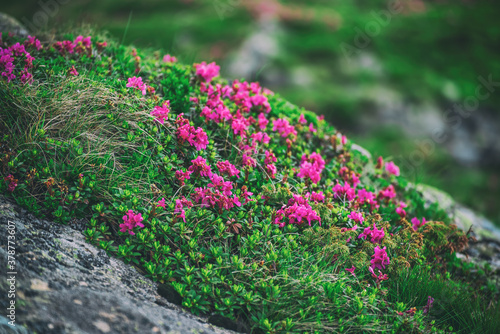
(225,167)
(180,204)
(356,216)
(136,82)
(12,182)
(311,167)
(375,234)
(298,211)
(130,221)
(169,59)
(379,259)
(195,137)
(161,113)
(417,223)
(207,71)
(200,167)
(284,127)
(391,168)
(16,54)
(344,192)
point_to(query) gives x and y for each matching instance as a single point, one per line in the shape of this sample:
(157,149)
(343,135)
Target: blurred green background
(390,74)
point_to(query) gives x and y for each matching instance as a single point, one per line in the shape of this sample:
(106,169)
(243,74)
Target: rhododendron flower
(182,176)
(428,307)
(73,71)
(180,204)
(311,167)
(225,167)
(343,140)
(262,121)
(380,258)
(136,82)
(380,163)
(416,223)
(161,113)
(351,270)
(200,167)
(193,99)
(356,216)
(169,59)
(344,192)
(12,182)
(271,170)
(261,137)
(246,194)
(130,221)
(388,192)
(345,229)
(311,128)
(400,209)
(195,137)
(317,197)
(283,127)
(270,157)
(380,277)
(249,161)
(391,168)
(32,41)
(207,71)
(161,203)
(375,234)
(302,119)
(296,213)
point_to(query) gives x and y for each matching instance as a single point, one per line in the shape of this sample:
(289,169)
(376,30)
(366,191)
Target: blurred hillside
(411,80)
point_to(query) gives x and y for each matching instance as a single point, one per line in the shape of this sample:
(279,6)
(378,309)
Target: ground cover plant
(242,203)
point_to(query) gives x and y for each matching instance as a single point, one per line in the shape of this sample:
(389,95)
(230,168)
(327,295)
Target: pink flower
(225,167)
(169,59)
(182,176)
(199,139)
(351,270)
(271,170)
(12,182)
(356,216)
(180,204)
(388,192)
(380,277)
(391,168)
(311,167)
(207,71)
(283,127)
(317,197)
(302,119)
(270,157)
(130,221)
(136,82)
(249,161)
(343,140)
(380,258)
(199,166)
(400,209)
(375,234)
(261,137)
(297,213)
(368,197)
(32,41)
(73,71)
(311,128)
(344,192)
(161,203)
(262,121)
(161,113)
(416,223)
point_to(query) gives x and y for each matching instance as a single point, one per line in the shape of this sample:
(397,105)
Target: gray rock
(10,24)
(65,285)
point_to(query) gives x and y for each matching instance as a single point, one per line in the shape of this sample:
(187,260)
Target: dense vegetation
(245,204)
(333,57)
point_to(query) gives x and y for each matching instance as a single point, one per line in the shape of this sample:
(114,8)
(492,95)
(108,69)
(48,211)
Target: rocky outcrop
(65,285)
